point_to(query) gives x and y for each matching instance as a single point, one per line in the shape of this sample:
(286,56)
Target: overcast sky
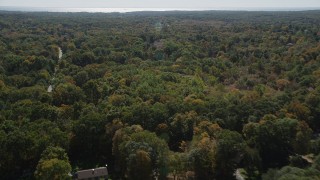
(163,3)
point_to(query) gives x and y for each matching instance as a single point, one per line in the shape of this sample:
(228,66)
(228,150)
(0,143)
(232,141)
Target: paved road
(50,88)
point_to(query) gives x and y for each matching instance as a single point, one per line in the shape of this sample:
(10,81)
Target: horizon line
(141,9)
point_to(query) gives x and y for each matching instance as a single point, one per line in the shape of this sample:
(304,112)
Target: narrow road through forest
(50,88)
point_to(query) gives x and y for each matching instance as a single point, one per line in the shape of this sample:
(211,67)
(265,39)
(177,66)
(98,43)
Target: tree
(130,145)
(302,140)
(67,93)
(206,126)
(181,128)
(159,149)
(204,158)
(22,145)
(54,164)
(88,135)
(92,91)
(139,165)
(121,136)
(81,78)
(82,59)
(292,173)
(276,139)
(229,152)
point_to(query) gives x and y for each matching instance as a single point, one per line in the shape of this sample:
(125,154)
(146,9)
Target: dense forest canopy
(205,95)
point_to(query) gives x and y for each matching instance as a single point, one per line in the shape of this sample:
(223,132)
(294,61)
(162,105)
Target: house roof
(91,173)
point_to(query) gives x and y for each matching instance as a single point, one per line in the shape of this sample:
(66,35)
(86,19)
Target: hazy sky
(162,3)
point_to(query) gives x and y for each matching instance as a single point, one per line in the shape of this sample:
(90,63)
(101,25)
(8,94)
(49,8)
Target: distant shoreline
(128,10)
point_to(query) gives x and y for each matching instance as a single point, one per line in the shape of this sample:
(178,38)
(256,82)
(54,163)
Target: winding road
(50,88)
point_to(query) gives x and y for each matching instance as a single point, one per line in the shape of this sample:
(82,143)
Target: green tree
(204,158)
(81,78)
(121,136)
(132,145)
(67,93)
(54,164)
(276,139)
(92,91)
(139,165)
(181,128)
(89,136)
(230,150)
